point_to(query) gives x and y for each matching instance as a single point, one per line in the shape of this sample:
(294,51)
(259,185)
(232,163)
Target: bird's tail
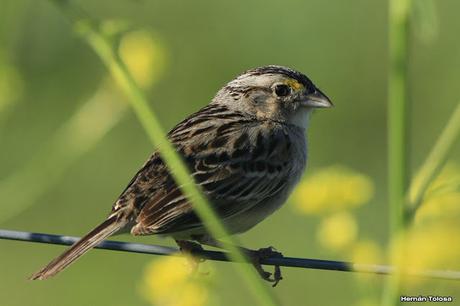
(90,240)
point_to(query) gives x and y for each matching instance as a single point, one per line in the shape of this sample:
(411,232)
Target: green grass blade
(397,132)
(434,162)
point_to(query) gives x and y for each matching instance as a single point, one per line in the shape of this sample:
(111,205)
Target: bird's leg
(255,256)
(187,248)
(264,253)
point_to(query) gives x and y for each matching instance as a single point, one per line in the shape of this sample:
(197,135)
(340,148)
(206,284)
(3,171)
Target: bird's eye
(282,90)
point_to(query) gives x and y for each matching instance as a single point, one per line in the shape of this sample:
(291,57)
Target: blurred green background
(67,151)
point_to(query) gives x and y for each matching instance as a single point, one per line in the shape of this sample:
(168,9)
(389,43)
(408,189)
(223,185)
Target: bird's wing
(237,162)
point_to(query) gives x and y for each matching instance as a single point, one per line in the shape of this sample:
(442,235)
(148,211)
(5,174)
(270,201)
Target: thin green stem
(398,120)
(89,30)
(434,162)
(398,156)
(404,201)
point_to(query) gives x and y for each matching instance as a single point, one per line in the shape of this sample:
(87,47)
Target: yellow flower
(366,252)
(144,56)
(439,207)
(433,243)
(333,189)
(448,178)
(162,275)
(435,246)
(170,281)
(337,231)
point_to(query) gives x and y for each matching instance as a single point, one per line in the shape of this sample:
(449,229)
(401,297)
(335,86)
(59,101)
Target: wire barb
(307,263)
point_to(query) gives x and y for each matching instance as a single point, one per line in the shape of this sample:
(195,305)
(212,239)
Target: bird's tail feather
(90,240)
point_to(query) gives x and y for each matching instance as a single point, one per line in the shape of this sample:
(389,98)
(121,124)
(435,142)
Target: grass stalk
(398,155)
(404,200)
(89,31)
(434,162)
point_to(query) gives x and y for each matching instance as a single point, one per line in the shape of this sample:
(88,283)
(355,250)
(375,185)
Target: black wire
(222,256)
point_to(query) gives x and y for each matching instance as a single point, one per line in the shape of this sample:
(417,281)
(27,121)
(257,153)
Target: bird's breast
(294,161)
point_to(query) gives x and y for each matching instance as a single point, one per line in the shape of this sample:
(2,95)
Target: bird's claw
(188,248)
(265,253)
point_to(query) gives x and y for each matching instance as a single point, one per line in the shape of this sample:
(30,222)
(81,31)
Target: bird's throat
(301,117)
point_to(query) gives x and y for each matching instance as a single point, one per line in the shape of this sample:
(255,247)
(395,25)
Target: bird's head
(274,92)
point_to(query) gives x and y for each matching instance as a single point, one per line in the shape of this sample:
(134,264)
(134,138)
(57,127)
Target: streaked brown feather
(233,173)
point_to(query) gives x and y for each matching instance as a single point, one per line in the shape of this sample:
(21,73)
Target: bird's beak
(316,99)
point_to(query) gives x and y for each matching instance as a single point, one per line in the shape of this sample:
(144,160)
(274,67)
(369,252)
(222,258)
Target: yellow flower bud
(144,56)
(337,231)
(333,189)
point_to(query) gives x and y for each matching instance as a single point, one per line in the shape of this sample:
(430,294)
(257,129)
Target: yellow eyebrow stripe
(294,84)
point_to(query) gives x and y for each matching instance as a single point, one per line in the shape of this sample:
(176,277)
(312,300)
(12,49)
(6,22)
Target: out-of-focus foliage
(11,85)
(442,200)
(144,57)
(181,53)
(434,240)
(69,142)
(425,20)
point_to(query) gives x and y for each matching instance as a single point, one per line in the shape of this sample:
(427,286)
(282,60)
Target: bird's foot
(265,253)
(188,248)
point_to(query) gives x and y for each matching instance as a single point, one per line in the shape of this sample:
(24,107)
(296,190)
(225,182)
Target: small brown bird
(247,150)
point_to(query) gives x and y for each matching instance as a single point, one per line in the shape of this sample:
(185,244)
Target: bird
(246,150)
